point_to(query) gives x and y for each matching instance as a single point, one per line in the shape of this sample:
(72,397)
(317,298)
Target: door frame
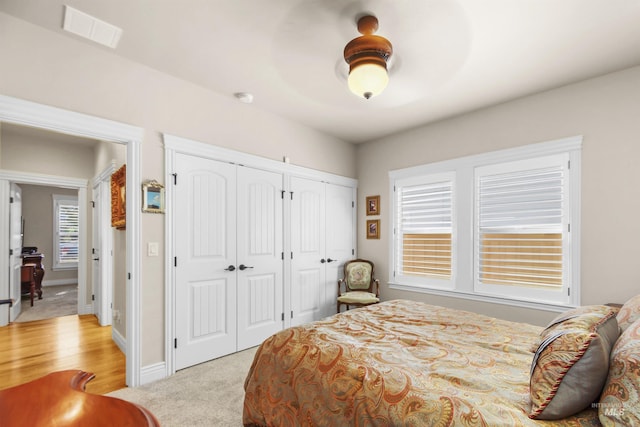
(27,113)
(102,208)
(175,144)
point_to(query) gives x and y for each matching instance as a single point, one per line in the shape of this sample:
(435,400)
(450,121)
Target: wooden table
(59,399)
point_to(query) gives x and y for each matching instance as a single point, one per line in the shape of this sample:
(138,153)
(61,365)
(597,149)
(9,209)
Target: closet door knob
(243,267)
(230,268)
(322,261)
(331,260)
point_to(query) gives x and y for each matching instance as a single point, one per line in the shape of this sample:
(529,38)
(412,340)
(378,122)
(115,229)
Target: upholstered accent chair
(360,286)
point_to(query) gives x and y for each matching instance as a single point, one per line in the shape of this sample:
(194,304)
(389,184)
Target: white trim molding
(27,113)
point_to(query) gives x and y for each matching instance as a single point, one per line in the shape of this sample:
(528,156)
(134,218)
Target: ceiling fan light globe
(368,80)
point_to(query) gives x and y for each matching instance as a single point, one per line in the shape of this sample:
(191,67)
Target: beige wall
(105,153)
(52,69)
(604,110)
(37,154)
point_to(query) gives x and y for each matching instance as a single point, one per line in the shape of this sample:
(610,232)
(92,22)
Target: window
(424,209)
(66,227)
(500,227)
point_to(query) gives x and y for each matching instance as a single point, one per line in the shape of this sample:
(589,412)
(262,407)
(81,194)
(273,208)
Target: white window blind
(66,231)
(423,227)
(521,224)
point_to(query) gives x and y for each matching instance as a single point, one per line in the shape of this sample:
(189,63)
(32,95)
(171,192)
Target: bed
(402,363)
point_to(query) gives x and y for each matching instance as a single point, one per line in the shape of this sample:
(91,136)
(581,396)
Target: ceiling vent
(91,28)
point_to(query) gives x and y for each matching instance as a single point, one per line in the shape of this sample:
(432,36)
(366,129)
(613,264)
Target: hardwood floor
(33,349)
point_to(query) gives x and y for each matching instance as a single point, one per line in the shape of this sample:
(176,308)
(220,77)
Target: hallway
(33,349)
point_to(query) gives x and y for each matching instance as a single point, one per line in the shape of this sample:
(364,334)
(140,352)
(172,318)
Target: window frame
(464,243)
(428,282)
(59,200)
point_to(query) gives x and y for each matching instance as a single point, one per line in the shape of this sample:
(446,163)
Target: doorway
(17,111)
(45,220)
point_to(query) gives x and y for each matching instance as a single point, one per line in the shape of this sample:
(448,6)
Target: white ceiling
(450,56)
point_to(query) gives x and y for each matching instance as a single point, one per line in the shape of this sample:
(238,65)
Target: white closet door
(308,247)
(260,264)
(340,242)
(205,242)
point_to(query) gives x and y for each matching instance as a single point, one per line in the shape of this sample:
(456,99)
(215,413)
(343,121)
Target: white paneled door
(340,239)
(322,239)
(228,266)
(205,248)
(15,246)
(308,247)
(259,248)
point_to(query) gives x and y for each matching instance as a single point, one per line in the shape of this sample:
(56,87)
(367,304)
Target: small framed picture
(373,229)
(152,197)
(373,205)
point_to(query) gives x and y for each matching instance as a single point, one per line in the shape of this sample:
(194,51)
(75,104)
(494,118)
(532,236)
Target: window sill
(558,308)
(64,267)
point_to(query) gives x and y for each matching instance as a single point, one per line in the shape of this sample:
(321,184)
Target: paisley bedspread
(397,363)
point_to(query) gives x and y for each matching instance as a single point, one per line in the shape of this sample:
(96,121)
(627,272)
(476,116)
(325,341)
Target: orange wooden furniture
(59,399)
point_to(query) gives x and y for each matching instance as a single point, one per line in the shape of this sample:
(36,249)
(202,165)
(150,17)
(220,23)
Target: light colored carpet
(210,394)
(57,301)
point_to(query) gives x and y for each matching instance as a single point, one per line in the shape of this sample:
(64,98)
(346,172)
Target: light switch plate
(152,249)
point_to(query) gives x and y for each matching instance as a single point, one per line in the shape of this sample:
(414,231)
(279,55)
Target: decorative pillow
(571,364)
(629,313)
(620,401)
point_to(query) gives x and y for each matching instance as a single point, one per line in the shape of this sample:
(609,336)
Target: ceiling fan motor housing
(368,49)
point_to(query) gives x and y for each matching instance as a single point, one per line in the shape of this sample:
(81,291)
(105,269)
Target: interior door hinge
(292,314)
(291,192)
(353,204)
(353,252)
(175,178)
(10,251)
(129,276)
(93,204)
(282,194)
(10,199)
(93,297)
(569,292)
(282,255)
(291,255)
(175,261)
(175,343)
(282,317)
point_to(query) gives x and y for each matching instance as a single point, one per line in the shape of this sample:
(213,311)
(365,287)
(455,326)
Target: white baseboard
(59,282)
(86,309)
(151,373)
(120,341)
